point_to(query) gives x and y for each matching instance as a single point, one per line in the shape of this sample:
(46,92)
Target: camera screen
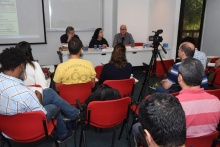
(151,38)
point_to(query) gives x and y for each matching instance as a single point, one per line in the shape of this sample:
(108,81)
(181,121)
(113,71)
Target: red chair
(107,114)
(160,72)
(215,92)
(72,92)
(138,44)
(203,141)
(124,86)
(216,79)
(27,127)
(98,70)
(174,93)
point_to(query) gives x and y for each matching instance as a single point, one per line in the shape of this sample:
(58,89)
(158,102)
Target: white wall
(144,16)
(140,16)
(211,30)
(164,14)
(135,15)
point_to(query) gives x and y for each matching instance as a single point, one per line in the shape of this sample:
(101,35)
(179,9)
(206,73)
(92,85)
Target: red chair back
(216,78)
(174,93)
(138,44)
(25,127)
(215,92)
(107,114)
(125,86)
(160,72)
(213,60)
(72,92)
(98,70)
(203,141)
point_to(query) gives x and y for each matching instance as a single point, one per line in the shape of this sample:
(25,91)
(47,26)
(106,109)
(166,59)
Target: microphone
(158,31)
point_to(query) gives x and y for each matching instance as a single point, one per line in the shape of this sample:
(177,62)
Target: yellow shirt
(74,71)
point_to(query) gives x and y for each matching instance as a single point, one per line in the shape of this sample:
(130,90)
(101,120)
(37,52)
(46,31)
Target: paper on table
(64,45)
(211,64)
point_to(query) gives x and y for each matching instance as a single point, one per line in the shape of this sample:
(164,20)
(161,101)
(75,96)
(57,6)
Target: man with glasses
(70,33)
(124,37)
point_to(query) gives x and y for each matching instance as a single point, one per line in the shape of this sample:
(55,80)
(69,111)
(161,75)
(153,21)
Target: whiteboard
(81,14)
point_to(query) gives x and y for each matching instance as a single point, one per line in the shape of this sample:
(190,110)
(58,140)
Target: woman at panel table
(34,74)
(97,39)
(118,67)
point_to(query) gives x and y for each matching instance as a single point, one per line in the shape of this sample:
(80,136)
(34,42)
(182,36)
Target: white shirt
(35,76)
(201,56)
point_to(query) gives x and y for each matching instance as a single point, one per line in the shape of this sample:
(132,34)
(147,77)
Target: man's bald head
(123,29)
(186,50)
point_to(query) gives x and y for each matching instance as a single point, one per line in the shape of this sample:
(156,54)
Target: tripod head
(157,39)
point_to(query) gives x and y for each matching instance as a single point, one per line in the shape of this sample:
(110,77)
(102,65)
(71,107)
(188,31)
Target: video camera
(156,38)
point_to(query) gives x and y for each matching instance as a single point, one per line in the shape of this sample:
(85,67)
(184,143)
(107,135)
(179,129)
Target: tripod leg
(146,79)
(164,67)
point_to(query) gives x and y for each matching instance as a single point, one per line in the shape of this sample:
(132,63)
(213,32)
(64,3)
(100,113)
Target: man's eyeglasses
(123,29)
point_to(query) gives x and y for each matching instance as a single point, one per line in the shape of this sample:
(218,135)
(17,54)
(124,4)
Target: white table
(136,56)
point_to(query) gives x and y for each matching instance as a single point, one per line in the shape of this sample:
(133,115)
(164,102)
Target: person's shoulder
(176,65)
(62,36)
(85,61)
(104,39)
(35,63)
(76,36)
(129,64)
(118,34)
(108,65)
(129,34)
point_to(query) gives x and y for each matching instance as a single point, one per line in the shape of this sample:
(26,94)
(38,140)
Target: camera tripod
(152,67)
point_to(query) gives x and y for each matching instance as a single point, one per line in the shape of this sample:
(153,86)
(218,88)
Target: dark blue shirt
(111,72)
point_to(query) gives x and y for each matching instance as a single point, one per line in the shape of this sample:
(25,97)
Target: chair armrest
(54,116)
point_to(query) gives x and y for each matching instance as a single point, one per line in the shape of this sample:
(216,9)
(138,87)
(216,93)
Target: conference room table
(136,55)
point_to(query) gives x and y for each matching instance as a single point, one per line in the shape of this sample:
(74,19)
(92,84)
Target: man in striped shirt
(202,109)
(186,50)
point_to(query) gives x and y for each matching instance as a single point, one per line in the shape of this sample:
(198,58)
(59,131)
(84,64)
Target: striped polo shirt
(202,111)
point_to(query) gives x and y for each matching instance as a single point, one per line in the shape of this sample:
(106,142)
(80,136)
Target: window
(191,20)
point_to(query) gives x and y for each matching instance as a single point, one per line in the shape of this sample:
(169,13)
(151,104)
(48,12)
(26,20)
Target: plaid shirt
(15,97)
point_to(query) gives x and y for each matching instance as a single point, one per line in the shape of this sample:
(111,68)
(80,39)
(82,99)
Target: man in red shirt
(202,110)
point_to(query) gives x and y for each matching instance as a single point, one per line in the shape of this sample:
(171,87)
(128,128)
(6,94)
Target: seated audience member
(118,67)
(163,121)
(201,56)
(98,39)
(75,70)
(123,37)
(34,73)
(70,33)
(202,109)
(18,98)
(186,50)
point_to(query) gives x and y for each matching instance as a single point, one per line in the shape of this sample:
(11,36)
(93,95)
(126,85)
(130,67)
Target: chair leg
(214,143)
(84,139)
(81,135)
(113,138)
(122,128)
(5,140)
(128,136)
